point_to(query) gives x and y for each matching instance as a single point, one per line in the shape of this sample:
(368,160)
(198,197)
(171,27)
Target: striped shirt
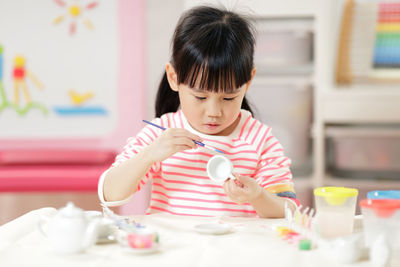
(180,183)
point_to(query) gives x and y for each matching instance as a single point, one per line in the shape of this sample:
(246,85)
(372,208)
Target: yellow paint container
(335,210)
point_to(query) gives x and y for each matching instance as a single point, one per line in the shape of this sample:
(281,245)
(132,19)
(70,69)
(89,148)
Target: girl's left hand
(243,189)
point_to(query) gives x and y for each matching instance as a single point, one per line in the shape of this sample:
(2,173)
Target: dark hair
(215,43)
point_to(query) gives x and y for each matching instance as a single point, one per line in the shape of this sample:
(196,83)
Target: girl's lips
(212,125)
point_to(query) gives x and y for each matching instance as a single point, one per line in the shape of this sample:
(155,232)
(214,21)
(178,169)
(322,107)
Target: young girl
(202,98)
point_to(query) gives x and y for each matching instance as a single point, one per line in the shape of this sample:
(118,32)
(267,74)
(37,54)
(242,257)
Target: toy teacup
(219,169)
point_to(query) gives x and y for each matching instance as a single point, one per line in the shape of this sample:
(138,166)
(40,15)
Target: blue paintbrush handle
(196,142)
(155,125)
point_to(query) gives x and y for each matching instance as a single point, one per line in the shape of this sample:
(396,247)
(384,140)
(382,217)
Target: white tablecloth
(252,243)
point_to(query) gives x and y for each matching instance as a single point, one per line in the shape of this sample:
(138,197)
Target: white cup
(219,169)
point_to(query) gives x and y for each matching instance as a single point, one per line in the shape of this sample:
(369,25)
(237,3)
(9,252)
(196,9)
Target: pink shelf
(52,170)
(55,156)
(50,178)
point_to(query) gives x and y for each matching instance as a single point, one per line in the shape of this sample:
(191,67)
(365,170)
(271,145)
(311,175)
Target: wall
(160,21)
(131,105)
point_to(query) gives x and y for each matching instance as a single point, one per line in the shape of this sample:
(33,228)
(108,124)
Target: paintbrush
(196,142)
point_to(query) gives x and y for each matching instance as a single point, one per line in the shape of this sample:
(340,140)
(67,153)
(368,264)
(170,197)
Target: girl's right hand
(171,141)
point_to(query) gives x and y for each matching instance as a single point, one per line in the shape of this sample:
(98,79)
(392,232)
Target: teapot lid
(70,210)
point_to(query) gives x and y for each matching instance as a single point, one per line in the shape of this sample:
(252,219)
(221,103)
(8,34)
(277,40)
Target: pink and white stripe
(180,183)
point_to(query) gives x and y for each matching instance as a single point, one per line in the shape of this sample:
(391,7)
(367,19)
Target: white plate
(213,228)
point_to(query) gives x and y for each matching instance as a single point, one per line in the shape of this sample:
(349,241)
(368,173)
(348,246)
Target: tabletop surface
(253,242)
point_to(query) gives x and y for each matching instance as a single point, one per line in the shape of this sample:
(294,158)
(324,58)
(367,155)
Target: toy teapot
(70,230)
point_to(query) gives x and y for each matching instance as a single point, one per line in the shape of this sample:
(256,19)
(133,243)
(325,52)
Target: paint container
(335,211)
(381,221)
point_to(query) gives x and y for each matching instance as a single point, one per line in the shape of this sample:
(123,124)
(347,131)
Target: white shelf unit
(372,104)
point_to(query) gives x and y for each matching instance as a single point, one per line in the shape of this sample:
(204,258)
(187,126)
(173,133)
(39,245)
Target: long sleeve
(134,145)
(273,172)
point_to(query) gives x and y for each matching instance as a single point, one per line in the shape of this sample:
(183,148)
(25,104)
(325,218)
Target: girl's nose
(213,109)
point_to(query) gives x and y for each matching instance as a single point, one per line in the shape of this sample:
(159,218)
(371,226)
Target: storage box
(283,42)
(286,106)
(364,152)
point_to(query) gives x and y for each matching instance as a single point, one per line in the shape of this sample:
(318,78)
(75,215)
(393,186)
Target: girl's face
(211,113)
(208,112)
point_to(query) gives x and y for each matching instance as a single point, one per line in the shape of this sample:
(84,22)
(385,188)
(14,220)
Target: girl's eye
(200,97)
(229,98)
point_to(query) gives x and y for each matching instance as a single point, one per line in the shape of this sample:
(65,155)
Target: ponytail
(167,100)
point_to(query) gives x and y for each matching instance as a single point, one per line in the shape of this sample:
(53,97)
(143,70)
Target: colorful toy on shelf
(387,41)
(369,42)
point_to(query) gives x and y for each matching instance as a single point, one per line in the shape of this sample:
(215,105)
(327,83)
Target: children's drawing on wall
(52,85)
(74,11)
(79,105)
(21,77)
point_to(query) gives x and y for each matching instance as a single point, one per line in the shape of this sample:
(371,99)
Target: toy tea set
(330,228)
(73,230)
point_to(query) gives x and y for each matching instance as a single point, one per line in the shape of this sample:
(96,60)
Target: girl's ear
(253,72)
(171,76)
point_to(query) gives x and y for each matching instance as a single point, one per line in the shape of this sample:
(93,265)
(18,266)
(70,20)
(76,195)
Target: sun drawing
(74,11)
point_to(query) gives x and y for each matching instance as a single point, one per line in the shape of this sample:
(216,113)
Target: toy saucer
(142,251)
(213,228)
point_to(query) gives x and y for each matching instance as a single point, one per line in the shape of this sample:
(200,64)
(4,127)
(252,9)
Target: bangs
(215,66)
(219,75)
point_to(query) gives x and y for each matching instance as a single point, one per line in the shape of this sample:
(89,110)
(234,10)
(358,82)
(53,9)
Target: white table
(253,243)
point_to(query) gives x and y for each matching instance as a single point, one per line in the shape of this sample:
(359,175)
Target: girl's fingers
(226,187)
(182,147)
(183,132)
(234,192)
(184,141)
(238,183)
(233,188)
